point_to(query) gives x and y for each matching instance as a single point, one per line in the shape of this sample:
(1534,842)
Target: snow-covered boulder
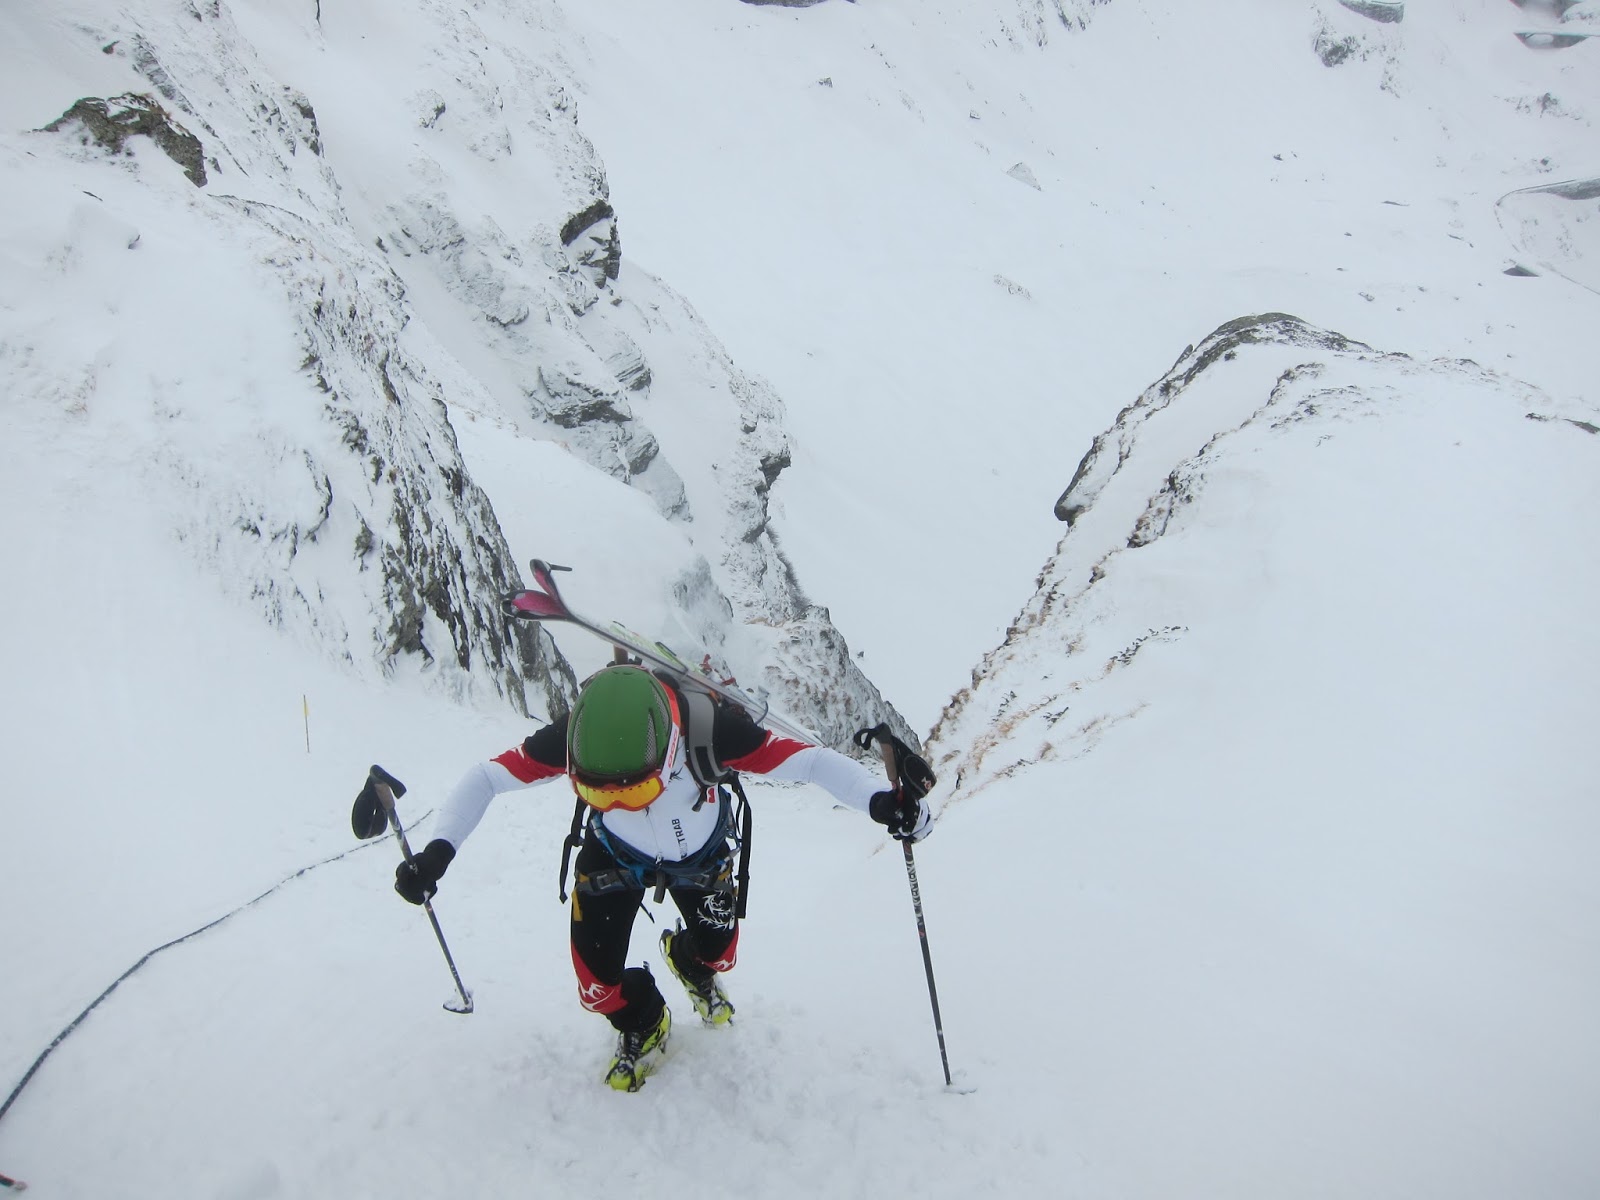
(108,124)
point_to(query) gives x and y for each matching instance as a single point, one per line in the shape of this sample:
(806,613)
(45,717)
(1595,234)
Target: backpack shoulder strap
(742,884)
(700,719)
(574,840)
(713,776)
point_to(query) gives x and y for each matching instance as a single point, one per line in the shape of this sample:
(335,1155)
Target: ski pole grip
(885,739)
(387,788)
(889,764)
(378,775)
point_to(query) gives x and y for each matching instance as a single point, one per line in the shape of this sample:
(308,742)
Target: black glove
(905,815)
(418,878)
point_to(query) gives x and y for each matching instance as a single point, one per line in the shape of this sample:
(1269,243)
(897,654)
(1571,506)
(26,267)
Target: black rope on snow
(79,1019)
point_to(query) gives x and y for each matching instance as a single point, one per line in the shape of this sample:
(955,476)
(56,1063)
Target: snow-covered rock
(1556,227)
(1388,12)
(1040,17)
(1341,37)
(1266,418)
(1558,10)
(431,243)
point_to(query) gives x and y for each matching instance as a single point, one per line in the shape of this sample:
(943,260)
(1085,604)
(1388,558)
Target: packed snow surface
(1265,864)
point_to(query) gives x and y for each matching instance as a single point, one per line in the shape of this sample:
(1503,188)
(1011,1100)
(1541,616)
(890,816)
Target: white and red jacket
(669,829)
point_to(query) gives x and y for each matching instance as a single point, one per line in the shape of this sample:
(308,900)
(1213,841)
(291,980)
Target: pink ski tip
(535,604)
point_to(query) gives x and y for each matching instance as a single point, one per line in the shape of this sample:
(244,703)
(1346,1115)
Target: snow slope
(1264,865)
(1305,693)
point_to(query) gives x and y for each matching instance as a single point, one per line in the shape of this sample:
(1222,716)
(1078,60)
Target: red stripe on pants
(729,956)
(593,994)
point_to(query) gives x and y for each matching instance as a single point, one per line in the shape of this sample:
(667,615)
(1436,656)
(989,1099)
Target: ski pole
(16,1185)
(374,811)
(892,767)
(927,958)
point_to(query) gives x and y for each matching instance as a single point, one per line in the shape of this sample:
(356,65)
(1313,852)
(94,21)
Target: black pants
(603,923)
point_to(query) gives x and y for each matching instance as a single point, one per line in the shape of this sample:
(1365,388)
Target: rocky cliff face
(440,243)
(330,494)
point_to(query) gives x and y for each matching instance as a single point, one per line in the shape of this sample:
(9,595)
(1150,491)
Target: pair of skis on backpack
(543,602)
(907,770)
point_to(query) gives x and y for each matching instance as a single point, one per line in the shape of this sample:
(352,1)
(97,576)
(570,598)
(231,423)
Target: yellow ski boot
(639,1054)
(708,998)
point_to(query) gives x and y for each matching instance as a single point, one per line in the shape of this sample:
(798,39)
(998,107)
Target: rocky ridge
(479,272)
(1254,380)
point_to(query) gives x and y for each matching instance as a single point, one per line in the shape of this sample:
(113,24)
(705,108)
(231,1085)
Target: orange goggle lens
(632,796)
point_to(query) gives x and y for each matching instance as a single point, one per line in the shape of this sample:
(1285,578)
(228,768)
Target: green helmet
(622,727)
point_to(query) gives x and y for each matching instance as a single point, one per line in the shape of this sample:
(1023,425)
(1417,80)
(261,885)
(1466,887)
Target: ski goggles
(632,796)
